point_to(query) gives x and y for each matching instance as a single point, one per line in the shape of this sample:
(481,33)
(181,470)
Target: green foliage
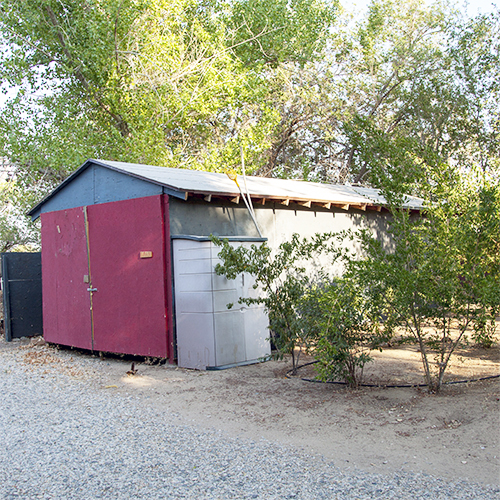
(17,232)
(441,275)
(156,82)
(308,307)
(338,311)
(281,31)
(482,223)
(485,327)
(406,87)
(282,281)
(383,98)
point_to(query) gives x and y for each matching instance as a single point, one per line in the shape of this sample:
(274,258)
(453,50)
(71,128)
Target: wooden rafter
(305,203)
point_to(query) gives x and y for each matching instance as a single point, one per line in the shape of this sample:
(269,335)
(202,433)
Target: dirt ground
(453,435)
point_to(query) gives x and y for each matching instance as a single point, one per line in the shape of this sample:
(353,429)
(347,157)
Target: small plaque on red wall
(147,254)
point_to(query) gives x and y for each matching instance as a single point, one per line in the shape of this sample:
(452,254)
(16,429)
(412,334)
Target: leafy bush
(283,280)
(441,275)
(340,316)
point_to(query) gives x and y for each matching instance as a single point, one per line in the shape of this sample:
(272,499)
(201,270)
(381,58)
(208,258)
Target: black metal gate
(22,294)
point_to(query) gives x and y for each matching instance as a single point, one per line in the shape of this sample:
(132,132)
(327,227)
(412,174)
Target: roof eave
(182,193)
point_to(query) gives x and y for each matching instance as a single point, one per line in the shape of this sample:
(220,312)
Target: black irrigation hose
(382,385)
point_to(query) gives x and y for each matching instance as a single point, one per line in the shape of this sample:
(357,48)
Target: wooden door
(65,276)
(127,259)
(104,277)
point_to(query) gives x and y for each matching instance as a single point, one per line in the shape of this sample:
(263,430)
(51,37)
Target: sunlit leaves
(283,282)
(280,31)
(441,276)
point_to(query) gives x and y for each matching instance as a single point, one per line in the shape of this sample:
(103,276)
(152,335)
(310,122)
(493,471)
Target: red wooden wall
(105,272)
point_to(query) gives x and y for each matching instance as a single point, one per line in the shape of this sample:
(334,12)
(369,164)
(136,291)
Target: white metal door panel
(224,297)
(193,304)
(193,301)
(201,282)
(240,333)
(193,262)
(230,345)
(208,333)
(195,341)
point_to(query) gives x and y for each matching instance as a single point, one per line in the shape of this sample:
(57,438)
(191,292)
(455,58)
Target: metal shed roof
(183,183)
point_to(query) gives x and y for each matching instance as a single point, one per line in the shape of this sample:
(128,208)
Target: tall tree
(440,277)
(152,81)
(178,83)
(187,83)
(407,85)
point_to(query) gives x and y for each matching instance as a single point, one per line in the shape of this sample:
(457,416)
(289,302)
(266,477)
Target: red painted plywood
(66,301)
(129,304)
(167,252)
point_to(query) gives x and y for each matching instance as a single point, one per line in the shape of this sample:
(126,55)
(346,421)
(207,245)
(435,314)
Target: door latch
(91,289)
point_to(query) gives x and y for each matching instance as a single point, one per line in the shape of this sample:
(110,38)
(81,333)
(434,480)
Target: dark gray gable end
(95,183)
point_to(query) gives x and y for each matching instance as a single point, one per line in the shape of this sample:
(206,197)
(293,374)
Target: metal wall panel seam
(93,185)
(213,302)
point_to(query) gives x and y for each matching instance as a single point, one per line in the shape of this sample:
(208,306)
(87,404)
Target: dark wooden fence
(22,294)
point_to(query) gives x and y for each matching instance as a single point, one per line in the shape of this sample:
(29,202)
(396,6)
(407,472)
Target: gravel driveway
(63,438)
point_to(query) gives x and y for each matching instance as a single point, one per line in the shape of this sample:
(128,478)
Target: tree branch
(118,120)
